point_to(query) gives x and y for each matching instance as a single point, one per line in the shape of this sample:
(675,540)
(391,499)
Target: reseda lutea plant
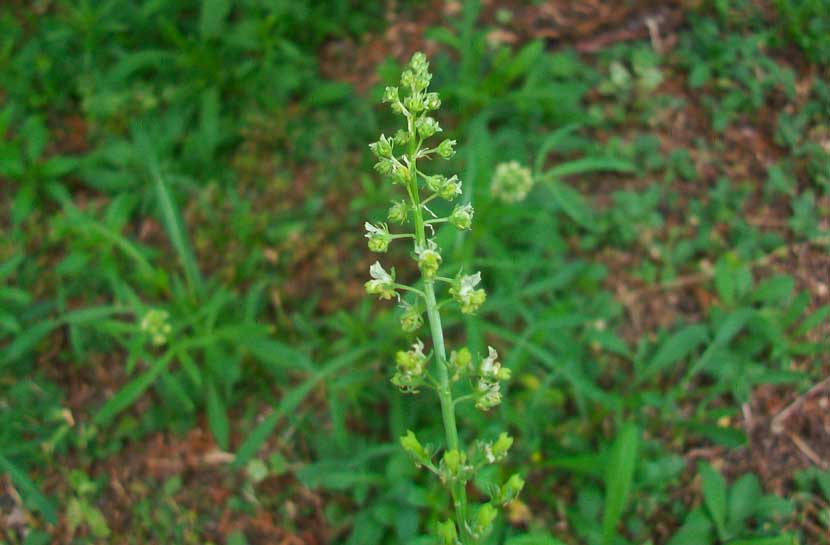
(398,161)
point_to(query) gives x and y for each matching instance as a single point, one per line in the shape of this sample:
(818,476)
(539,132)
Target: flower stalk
(456,465)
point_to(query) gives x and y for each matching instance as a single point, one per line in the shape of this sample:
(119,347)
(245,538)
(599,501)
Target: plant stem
(444,389)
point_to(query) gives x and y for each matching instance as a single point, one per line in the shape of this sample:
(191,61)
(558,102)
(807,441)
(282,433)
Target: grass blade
(619,478)
(29,489)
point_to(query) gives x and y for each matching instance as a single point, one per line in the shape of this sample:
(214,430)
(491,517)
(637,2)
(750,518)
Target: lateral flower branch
(397,160)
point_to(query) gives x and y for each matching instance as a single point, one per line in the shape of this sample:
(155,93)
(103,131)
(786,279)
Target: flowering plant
(397,160)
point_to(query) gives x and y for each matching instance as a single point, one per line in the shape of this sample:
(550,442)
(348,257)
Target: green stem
(444,387)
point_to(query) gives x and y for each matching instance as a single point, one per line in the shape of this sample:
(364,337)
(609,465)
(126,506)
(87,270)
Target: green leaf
(29,490)
(618,479)
(586,165)
(533,539)
(289,402)
(729,327)
(777,540)
(217,417)
(775,289)
(714,497)
(132,391)
(58,166)
(26,342)
(574,205)
(212,17)
(326,94)
(170,216)
(696,530)
(813,320)
(677,347)
(550,143)
(743,497)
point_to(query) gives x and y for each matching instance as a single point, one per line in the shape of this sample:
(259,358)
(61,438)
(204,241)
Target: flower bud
(390,94)
(464,293)
(378,237)
(382,283)
(511,489)
(384,166)
(488,394)
(408,78)
(446,148)
(454,467)
(414,448)
(460,363)
(382,148)
(429,260)
(436,182)
(401,137)
(418,62)
(511,182)
(156,324)
(400,173)
(485,517)
(502,445)
(447,533)
(411,319)
(411,366)
(414,103)
(427,126)
(398,212)
(451,189)
(490,366)
(462,216)
(432,101)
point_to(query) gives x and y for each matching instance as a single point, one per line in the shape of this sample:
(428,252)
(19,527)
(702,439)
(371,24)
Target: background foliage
(661,295)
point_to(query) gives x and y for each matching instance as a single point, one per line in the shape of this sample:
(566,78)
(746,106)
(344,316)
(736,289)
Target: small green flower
(485,517)
(156,324)
(511,489)
(398,212)
(454,467)
(427,126)
(385,166)
(414,103)
(511,182)
(432,101)
(464,293)
(446,149)
(429,260)
(447,533)
(488,394)
(413,447)
(411,366)
(382,148)
(411,319)
(461,363)
(462,216)
(390,94)
(382,283)
(401,137)
(451,189)
(378,236)
(502,446)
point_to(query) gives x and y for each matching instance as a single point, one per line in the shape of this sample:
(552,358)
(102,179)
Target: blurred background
(186,352)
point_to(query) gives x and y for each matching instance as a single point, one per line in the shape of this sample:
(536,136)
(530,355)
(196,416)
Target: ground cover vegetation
(187,353)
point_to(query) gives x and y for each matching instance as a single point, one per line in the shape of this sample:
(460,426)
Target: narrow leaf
(217,417)
(30,491)
(618,479)
(714,497)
